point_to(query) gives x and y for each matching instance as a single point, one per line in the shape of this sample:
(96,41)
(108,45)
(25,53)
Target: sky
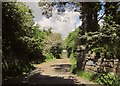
(64,24)
(61,24)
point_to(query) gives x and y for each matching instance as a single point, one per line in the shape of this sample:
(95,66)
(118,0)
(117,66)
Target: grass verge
(101,78)
(49,57)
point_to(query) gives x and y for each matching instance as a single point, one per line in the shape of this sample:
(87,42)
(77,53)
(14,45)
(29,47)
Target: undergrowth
(49,57)
(101,78)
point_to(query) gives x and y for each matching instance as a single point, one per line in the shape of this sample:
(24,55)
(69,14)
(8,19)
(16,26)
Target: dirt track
(52,72)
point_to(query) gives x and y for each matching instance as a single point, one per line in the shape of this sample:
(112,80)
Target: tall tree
(112,11)
(21,40)
(89,16)
(53,44)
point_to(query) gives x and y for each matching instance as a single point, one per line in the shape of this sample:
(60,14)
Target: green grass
(85,75)
(74,69)
(49,57)
(101,78)
(72,59)
(73,63)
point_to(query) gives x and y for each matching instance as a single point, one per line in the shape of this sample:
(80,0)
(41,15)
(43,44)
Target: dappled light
(73,43)
(37,79)
(41,75)
(61,67)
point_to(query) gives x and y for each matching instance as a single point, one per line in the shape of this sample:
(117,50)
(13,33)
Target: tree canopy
(22,42)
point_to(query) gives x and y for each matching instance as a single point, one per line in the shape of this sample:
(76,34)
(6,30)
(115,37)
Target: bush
(73,68)
(117,83)
(84,74)
(56,50)
(22,42)
(49,56)
(73,59)
(106,79)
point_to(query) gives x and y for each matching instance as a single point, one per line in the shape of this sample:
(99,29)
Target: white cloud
(36,10)
(62,24)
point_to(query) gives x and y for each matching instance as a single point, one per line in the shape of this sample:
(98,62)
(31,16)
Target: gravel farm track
(51,72)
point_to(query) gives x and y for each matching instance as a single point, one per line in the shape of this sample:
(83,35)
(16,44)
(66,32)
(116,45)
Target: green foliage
(73,68)
(70,40)
(117,82)
(73,59)
(112,11)
(49,56)
(98,49)
(22,42)
(84,74)
(105,41)
(101,78)
(56,50)
(110,31)
(73,63)
(106,79)
(53,45)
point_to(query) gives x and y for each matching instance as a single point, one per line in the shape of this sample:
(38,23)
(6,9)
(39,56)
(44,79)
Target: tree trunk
(89,24)
(89,17)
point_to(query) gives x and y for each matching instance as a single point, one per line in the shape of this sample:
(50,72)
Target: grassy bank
(49,57)
(101,78)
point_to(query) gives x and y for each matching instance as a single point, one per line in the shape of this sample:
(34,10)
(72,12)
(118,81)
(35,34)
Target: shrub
(117,83)
(72,58)
(49,56)
(84,74)
(106,79)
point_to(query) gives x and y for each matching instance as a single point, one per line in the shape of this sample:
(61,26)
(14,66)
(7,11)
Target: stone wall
(93,62)
(103,65)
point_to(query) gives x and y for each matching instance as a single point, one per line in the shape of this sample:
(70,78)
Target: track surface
(51,72)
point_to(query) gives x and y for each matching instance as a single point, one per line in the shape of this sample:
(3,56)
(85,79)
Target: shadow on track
(37,79)
(61,67)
